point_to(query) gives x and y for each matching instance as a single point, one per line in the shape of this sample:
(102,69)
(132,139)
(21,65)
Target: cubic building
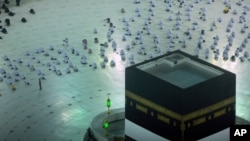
(177,97)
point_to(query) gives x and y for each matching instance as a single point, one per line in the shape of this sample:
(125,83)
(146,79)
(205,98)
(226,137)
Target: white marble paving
(63,109)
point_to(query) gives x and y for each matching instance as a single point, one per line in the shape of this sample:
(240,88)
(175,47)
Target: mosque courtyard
(79,50)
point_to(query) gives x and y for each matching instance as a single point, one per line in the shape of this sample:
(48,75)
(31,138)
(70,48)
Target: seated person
(7,22)
(32,11)
(23,20)
(4,30)
(18,2)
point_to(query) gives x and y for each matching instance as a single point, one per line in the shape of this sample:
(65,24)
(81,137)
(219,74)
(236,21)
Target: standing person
(40,84)
(89,134)
(7,22)
(6,2)
(18,2)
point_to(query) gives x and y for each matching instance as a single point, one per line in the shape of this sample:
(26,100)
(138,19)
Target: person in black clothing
(40,84)
(18,2)
(23,20)
(11,13)
(32,11)
(6,2)
(89,134)
(4,30)
(6,10)
(4,6)
(7,22)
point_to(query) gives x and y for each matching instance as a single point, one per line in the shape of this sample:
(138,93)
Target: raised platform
(116,120)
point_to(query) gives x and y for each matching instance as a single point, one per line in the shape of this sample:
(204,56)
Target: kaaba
(178,97)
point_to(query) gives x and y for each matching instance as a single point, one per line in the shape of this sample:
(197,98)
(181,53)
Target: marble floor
(64,107)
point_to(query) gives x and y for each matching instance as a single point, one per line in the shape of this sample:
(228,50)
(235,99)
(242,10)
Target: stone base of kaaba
(138,133)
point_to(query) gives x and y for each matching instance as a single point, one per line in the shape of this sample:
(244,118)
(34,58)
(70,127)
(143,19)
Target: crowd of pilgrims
(11,74)
(6,9)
